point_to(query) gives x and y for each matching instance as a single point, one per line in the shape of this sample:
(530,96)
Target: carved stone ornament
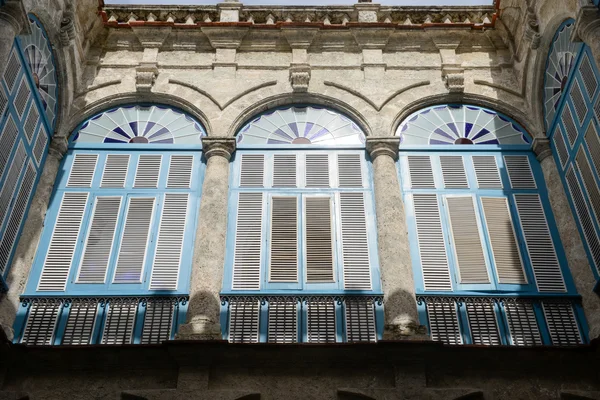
(300,77)
(455,80)
(388,146)
(67,29)
(145,75)
(218,146)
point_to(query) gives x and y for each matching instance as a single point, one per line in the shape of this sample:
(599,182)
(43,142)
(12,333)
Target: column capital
(377,146)
(58,147)
(587,25)
(218,146)
(541,148)
(15,15)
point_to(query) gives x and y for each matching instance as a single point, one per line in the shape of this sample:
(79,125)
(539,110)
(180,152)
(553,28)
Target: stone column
(587,29)
(401,317)
(30,236)
(569,235)
(12,21)
(209,249)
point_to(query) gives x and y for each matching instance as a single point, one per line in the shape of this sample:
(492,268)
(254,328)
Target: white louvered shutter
(82,170)
(244,321)
(585,218)
(33,117)
(522,323)
(120,321)
(8,138)
(180,172)
(592,140)
(134,240)
(41,323)
(284,170)
(252,172)
(569,124)
(321,321)
(99,242)
(562,324)
(540,247)
(248,242)
(355,244)
(519,172)
(482,323)
(23,95)
(283,321)
(578,101)
(80,323)
(8,238)
(432,248)
(62,244)
(318,239)
(466,240)
(597,109)
(443,322)
(9,187)
(349,170)
(501,234)
(169,245)
(420,172)
(453,172)
(360,320)
(13,69)
(560,145)
(589,77)
(317,171)
(115,171)
(486,172)
(41,143)
(148,171)
(158,321)
(3,101)
(284,239)
(589,181)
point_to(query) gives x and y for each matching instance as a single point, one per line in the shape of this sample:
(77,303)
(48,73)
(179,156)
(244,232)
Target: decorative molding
(218,146)
(369,101)
(541,148)
(67,29)
(388,146)
(300,77)
(98,86)
(532,26)
(145,76)
(499,87)
(211,98)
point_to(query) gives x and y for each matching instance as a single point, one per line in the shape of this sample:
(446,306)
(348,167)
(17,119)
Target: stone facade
(226,63)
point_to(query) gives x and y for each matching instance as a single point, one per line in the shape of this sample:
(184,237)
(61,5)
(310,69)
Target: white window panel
(8,138)
(589,181)
(421,172)
(148,171)
(589,77)
(180,171)
(284,170)
(561,146)
(519,172)
(486,172)
(12,71)
(252,172)
(569,124)
(349,171)
(33,117)
(317,171)
(23,95)
(41,143)
(9,187)
(578,101)
(355,244)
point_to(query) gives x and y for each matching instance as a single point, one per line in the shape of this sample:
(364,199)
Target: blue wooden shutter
(420,172)
(562,323)
(318,239)
(283,266)
(252,170)
(443,321)
(482,322)
(355,245)
(148,171)
(115,171)
(120,320)
(522,323)
(99,241)
(284,170)
(453,172)
(519,172)
(82,171)
(349,171)
(63,241)
(8,138)
(158,320)
(180,171)
(360,320)
(317,171)
(9,188)
(589,77)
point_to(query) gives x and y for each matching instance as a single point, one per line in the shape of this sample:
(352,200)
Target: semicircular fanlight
(560,62)
(301,125)
(459,124)
(38,56)
(141,124)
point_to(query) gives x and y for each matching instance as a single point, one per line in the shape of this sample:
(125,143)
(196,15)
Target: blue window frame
(487,258)
(573,130)
(28,93)
(301,229)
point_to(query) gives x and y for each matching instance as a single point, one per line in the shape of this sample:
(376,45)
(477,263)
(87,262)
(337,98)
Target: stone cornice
(388,145)
(331,17)
(218,146)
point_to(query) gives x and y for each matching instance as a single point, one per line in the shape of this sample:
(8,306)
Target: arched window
(119,229)
(488,261)
(301,231)
(28,106)
(573,125)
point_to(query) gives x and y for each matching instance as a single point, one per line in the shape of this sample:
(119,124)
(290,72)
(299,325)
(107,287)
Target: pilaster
(209,250)
(401,316)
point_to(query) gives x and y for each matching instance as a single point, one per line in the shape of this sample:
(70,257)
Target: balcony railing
(503,320)
(114,320)
(294,319)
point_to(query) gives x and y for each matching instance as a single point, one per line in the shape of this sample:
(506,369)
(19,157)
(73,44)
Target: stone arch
(285,99)
(132,98)
(519,116)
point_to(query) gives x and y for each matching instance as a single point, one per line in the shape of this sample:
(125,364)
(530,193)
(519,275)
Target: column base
(200,328)
(405,331)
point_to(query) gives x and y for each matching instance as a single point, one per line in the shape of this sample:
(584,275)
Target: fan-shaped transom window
(450,124)
(559,65)
(301,126)
(38,56)
(141,124)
